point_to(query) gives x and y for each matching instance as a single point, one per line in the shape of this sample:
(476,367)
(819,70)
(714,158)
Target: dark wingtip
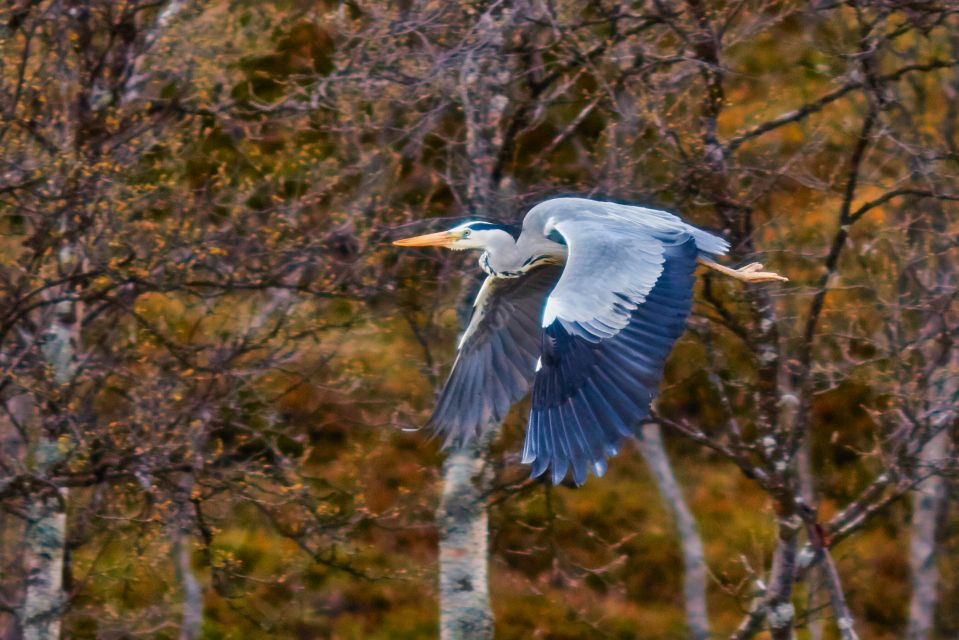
(559,468)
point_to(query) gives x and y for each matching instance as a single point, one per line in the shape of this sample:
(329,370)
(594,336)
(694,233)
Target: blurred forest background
(213,364)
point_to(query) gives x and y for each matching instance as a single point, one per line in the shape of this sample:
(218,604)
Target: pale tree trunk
(694,561)
(807,490)
(181,530)
(462,519)
(464,542)
(780,613)
(941,406)
(46,523)
(192,619)
(44,552)
(928,504)
(773,602)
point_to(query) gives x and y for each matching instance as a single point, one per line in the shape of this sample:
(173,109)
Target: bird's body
(583,305)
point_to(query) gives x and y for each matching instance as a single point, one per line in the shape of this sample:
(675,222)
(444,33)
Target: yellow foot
(754,273)
(750,273)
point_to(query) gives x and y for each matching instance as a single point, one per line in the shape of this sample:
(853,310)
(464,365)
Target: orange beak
(441,239)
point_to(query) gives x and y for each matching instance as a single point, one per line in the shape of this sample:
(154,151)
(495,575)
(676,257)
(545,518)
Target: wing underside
(497,356)
(590,394)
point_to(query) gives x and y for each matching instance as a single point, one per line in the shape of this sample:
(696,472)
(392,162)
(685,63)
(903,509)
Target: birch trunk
(779,610)
(927,506)
(44,552)
(694,577)
(46,526)
(180,527)
(462,519)
(464,542)
(930,499)
(192,619)
(807,491)
(931,495)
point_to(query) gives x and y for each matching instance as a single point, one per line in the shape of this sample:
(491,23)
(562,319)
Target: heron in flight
(583,304)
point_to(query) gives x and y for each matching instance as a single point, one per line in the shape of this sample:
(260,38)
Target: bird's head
(469,235)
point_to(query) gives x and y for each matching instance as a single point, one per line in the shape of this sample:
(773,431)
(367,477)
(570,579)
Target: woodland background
(213,364)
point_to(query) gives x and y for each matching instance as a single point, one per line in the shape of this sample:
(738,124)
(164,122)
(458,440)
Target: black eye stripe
(484,226)
(489,226)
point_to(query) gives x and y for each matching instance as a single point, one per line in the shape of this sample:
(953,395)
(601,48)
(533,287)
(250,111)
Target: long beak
(441,239)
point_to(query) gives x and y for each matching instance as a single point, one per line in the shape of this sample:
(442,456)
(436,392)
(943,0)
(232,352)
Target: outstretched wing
(497,355)
(609,326)
(615,257)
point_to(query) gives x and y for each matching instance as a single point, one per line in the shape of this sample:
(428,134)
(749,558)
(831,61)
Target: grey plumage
(583,307)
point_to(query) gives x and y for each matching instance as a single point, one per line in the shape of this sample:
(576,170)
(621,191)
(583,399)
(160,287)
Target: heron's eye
(466,233)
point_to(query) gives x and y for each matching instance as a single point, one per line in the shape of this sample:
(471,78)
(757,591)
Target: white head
(474,234)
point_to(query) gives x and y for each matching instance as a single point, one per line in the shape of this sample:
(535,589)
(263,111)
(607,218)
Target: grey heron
(583,304)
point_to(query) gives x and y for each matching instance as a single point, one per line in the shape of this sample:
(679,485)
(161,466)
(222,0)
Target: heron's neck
(507,258)
(502,259)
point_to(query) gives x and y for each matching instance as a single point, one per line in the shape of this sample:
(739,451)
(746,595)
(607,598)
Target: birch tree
(483,92)
(46,521)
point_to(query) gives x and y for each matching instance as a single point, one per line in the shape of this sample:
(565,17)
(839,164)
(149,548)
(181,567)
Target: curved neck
(501,256)
(505,257)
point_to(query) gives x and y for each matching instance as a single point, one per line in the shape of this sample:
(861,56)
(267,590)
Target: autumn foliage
(216,366)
